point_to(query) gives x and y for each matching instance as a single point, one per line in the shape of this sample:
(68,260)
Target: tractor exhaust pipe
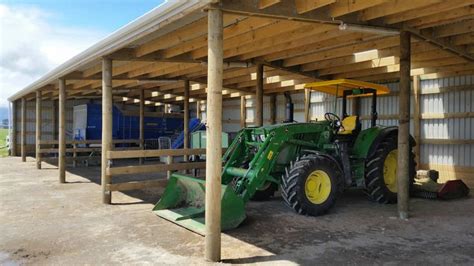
(289,110)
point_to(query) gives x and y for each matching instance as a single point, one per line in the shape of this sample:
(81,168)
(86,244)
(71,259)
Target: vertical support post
(214,135)
(198,109)
(356,106)
(74,154)
(307,103)
(416,119)
(259,97)
(14,140)
(23,130)
(404,126)
(243,111)
(38,129)
(141,138)
(106,127)
(186,118)
(62,131)
(54,117)
(273,109)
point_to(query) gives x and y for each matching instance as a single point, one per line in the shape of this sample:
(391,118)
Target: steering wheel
(334,120)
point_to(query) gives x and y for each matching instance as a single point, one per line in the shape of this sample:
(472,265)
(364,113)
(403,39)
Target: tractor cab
(350,125)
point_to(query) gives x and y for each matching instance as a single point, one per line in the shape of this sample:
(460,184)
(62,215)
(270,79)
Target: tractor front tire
(312,184)
(381,172)
(266,192)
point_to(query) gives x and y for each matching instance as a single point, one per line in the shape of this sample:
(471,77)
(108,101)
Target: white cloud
(31,44)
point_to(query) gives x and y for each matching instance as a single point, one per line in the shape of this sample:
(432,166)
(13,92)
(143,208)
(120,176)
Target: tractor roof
(338,86)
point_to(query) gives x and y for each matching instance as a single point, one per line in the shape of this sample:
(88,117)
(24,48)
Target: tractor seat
(349,125)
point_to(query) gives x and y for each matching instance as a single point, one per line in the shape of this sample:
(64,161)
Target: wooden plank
(448,141)
(153,153)
(303,6)
(135,185)
(23,130)
(404,126)
(426,11)
(39,120)
(393,7)
(344,7)
(243,112)
(266,3)
(62,131)
(141,169)
(107,106)
(259,96)
(416,118)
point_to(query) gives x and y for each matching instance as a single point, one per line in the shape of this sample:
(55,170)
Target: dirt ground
(44,222)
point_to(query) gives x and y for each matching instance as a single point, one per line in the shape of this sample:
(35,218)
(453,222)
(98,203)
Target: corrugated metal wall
(446,107)
(452,98)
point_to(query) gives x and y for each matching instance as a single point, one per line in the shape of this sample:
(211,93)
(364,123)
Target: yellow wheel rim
(317,187)
(390,171)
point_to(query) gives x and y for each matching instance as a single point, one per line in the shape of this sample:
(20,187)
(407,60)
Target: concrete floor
(43,222)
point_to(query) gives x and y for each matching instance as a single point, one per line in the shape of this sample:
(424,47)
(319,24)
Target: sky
(38,35)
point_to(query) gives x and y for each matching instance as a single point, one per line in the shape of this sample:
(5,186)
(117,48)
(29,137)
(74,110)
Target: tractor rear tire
(312,184)
(380,177)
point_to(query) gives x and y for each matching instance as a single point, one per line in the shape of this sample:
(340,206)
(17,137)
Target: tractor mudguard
(368,140)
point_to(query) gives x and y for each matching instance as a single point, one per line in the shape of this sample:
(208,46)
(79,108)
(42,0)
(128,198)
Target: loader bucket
(183,203)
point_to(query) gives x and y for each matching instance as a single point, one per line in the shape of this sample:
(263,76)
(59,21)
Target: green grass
(3,148)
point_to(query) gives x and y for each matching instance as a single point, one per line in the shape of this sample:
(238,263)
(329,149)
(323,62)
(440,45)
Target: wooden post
(62,131)
(141,138)
(23,130)
(106,126)
(243,111)
(14,140)
(214,135)
(38,129)
(356,106)
(74,155)
(186,118)
(198,109)
(404,126)
(54,117)
(307,104)
(273,109)
(416,119)
(259,97)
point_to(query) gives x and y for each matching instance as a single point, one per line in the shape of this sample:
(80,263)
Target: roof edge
(143,25)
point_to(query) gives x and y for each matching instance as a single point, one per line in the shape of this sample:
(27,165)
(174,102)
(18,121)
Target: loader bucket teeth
(183,203)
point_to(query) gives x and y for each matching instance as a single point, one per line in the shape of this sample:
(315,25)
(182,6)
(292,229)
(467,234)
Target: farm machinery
(312,163)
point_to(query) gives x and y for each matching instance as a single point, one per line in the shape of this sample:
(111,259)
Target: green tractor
(312,163)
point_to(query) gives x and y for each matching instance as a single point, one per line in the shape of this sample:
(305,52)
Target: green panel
(198,140)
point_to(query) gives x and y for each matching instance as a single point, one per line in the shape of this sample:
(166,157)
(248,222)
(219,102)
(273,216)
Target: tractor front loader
(312,163)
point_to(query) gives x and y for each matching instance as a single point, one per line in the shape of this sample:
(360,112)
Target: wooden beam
(134,185)
(273,109)
(13,134)
(62,131)
(214,136)
(107,106)
(38,128)
(141,169)
(259,97)
(403,160)
(417,119)
(142,122)
(187,88)
(23,129)
(442,43)
(307,105)
(303,6)
(243,111)
(266,3)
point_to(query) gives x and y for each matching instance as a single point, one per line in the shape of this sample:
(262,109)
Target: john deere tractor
(312,163)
